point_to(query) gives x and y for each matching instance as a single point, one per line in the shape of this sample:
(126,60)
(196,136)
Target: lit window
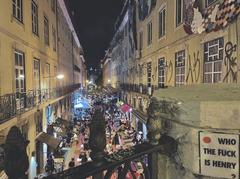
(36,74)
(213,57)
(20,79)
(180,68)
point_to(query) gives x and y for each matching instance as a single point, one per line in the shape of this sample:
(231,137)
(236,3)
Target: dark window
(140,40)
(162,25)
(17,9)
(46,30)
(179,12)
(54,39)
(34,18)
(149,30)
(53,5)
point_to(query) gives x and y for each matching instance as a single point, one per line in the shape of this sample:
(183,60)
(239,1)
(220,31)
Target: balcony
(110,165)
(143,89)
(18,103)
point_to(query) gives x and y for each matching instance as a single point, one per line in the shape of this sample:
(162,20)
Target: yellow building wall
(176,39)
(18,36)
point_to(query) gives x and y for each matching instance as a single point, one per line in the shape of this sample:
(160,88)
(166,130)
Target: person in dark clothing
(50,165)
(116,139)
(71,163)
(83,158)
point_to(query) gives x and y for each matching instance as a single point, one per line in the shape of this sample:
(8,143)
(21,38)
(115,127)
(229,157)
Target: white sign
(219,155)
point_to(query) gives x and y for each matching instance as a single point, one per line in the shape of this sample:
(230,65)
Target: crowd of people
(120,133)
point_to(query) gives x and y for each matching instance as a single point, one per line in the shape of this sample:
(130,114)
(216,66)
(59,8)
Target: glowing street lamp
(60,76)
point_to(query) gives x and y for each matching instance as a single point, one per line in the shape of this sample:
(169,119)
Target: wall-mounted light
(60,76)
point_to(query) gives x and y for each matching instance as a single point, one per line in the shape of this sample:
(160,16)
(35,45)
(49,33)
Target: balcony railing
(143,89)
(143,153)
(18,103)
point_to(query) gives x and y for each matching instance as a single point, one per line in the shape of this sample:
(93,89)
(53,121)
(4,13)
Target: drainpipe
(73,57)
(58,61)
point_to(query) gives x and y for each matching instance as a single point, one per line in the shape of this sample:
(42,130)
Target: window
(36,73)
(161,72)
(162,25)
(47,76)
(46,31)
(19,72)
(140,40)
(213,57)
(149,30)
(54,38)
(17,9)
(34,18)
(149,74)
(180,68)
(53,5)
(20,79)
(55,75)
(209,2)
(179,12)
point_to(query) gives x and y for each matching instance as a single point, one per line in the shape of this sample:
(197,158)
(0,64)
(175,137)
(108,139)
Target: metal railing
(141,88)
(143,154)
(18,103)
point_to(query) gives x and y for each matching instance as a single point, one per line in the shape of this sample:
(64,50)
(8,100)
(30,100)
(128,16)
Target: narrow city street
(120,135)
(119,89)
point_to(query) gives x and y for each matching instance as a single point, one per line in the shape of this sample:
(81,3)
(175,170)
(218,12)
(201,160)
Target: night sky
(94,23)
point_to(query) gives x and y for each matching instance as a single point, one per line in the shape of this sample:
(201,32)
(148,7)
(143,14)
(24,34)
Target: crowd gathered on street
(120,134)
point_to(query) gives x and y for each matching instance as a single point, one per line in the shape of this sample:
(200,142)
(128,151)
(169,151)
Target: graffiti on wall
(230,62)
(169,73)
(193,67)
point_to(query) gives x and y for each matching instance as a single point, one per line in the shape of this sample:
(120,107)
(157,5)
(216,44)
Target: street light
(60,76)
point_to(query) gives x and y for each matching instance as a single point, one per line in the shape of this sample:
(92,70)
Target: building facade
(31,58)
(185,46)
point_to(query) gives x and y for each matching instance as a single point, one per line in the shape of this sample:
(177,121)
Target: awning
(143,117)
(48,139)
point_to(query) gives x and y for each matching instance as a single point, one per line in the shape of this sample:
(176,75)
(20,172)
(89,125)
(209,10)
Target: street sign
(219,155)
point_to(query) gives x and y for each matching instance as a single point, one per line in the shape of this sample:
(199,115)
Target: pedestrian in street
(49,168)
(71,164)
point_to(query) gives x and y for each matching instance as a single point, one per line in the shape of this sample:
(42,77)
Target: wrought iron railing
(141,88)
(18,103)
(143,154)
